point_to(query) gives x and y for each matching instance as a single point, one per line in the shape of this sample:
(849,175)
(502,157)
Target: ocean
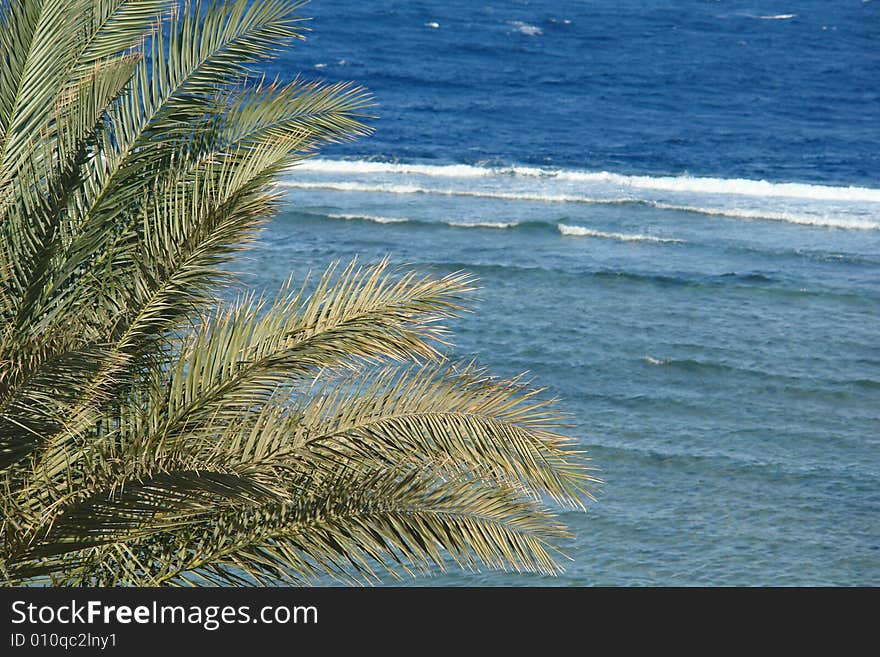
(674,213)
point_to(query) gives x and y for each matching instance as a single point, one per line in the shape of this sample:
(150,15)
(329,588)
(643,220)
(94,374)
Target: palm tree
(152,433)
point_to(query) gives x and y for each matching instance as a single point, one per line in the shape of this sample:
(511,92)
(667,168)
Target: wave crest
(685,183)
(580,231)
(525,28)
(850,208)
(564,229)
(377,219)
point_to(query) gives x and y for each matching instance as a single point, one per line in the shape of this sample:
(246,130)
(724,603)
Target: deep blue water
(631,86)
(674,212)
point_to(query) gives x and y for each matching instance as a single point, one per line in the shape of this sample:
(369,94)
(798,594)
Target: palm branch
(153,431)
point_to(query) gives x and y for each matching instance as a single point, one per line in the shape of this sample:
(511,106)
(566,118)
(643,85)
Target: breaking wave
(849,208)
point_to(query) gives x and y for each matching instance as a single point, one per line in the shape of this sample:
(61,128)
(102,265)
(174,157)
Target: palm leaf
(151,433)
(363,522)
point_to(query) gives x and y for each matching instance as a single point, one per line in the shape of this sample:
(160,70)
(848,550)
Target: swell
(379,219)
(418,189)
(704,185)
(564,229)
(751,281)
(581,231)
(706,367)
(774,283)
(827,221)
(833,257)
(724,462)
(754,281)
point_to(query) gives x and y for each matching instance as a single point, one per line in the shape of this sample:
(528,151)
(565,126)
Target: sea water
(674,213)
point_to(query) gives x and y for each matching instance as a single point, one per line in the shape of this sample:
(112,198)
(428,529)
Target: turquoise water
(722,372)
(714,336)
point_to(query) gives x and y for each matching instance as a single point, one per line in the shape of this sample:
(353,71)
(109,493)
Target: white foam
(433,25)
(778,17)
(795,203)
(655,361)
(368,167)
(581,231)
(734,186)
(369,217)
(402,220)
(356,187)
(525,28)
(789,217)
(482,224)
(830,221)
(417,189)
(689,184)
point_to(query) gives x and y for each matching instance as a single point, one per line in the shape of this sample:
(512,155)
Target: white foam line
(768,215)
(416,189)
(581,231)
(778,17)
(707,185)
(366,167)
(482,224)
(369,217)
(403,220)
(732,186)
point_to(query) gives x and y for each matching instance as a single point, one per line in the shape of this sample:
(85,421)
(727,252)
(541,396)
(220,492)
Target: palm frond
(151,433)
(498,427)
(437,422)
(312,112)
(37,43)
(117,26)
(352,528)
